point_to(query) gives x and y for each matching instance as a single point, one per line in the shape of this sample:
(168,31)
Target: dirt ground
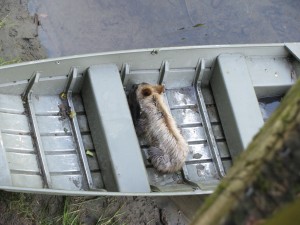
(29,209)
(19,42)
(18,33)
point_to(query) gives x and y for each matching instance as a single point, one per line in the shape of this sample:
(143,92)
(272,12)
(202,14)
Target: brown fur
(153,120)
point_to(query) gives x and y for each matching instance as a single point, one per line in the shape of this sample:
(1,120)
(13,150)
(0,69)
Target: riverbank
(19,42)
(18,33)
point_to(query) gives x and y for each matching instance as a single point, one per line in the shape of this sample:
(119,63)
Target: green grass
(111,216)
(21,208)
(28,209)
(4,62)
(3,21)
(19,203)
(71,214)
(76,208)
(6,22)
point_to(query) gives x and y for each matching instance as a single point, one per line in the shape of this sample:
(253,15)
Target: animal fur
(153,120)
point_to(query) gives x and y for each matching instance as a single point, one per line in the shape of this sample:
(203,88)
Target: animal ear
(160,88)
(146,92)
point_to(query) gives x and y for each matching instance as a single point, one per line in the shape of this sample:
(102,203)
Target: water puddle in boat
(269,105)
(71,27)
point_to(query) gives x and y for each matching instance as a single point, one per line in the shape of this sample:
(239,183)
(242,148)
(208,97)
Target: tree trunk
(265,176)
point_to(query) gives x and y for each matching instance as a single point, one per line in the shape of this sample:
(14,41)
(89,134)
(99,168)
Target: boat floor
(83,142)
(200,169)
(63,159)
(59,145)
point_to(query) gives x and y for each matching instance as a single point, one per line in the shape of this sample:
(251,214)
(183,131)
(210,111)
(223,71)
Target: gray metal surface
(54,151)
(5,177)
(211,135)
(181,57)
(232,87)
(75,126)
(294,49)
(206,120)
(270,76)
(17,146)
(204,166)
(88,143)
(27,98)
(112,130)
(272,70)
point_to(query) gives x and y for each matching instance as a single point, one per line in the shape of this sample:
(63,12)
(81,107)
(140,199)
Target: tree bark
(265,176)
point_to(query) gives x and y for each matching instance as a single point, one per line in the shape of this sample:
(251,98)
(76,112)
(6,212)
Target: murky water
(268,106)
(74,26)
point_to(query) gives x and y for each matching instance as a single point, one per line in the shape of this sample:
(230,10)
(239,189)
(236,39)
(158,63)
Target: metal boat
(66,126)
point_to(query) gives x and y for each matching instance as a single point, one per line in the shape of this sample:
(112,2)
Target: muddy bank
(19,41)
(18,33)
(27,209)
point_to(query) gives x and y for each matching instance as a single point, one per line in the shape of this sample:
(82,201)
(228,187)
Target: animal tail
(162,162)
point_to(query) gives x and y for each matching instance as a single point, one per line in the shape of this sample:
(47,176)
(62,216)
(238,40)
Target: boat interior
(66,125)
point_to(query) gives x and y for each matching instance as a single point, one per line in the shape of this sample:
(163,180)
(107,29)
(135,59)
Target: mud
(27,209)
(19,41)
(18,33)
(128,210)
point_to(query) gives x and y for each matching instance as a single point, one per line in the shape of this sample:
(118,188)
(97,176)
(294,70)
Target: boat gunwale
(144,50)
(104,193)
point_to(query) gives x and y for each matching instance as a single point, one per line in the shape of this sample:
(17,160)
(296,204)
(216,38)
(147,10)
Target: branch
(273,152)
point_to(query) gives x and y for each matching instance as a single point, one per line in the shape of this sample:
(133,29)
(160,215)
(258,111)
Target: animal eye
(146,92)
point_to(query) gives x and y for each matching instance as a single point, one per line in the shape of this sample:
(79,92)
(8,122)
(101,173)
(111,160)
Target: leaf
(63,95)
(72,114)
(198,25)
(89,153)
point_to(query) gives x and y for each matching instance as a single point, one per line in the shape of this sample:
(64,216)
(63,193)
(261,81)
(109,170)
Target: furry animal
(153,120)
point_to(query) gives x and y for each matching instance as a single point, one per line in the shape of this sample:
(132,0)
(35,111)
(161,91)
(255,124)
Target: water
(71,27)
(268,106)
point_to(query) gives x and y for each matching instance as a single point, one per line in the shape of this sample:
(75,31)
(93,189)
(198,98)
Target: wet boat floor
(200,170)
(62,157)
(59,146)
(269,105)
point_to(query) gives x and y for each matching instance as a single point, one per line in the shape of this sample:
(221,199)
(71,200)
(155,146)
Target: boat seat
(112,130)
(236,101)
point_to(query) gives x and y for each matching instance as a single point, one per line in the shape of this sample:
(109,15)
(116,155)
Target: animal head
(138,92)
(145,90)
